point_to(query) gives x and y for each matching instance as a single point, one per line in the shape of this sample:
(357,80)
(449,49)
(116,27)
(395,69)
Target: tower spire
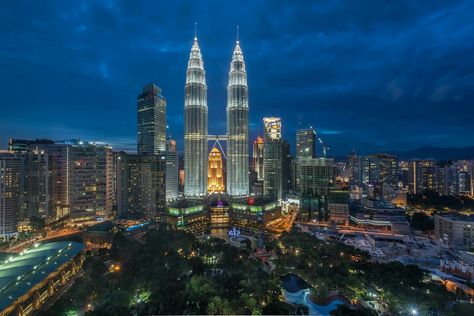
(195,31)
(237,40)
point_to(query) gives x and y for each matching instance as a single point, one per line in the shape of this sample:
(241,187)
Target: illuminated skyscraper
(215,175)
(151,119)
(237,126)
(257,157)
(10,177)
(272,159)
(195,125)
(306,143)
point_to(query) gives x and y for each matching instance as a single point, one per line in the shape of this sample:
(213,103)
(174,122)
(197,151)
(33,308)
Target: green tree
(197,294)
(219,306)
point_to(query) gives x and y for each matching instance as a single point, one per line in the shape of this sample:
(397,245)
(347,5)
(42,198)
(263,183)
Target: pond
(296,291)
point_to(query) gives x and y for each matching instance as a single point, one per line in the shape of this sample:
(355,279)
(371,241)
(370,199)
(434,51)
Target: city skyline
(237,158)
(391,84)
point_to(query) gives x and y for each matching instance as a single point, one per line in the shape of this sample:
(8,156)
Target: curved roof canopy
(20,272)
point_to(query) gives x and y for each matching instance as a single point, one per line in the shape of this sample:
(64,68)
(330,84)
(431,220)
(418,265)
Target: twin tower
(196,126)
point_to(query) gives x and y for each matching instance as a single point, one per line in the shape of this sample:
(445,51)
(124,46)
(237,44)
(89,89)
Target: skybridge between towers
(217,139)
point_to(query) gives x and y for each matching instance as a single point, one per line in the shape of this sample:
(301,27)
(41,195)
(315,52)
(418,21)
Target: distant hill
(438,153)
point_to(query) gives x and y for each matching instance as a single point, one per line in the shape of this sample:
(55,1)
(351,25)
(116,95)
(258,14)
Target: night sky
(368,75)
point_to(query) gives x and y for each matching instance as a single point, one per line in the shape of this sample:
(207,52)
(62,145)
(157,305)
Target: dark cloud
(369,75)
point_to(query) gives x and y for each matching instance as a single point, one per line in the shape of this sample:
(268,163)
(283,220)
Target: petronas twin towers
(196,126)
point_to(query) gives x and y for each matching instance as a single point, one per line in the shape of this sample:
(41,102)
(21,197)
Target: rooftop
(20,272)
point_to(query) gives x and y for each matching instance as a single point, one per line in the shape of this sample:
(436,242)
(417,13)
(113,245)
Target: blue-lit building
(151,120)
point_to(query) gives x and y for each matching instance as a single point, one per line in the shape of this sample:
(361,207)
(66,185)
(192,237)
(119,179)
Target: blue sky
(368,75)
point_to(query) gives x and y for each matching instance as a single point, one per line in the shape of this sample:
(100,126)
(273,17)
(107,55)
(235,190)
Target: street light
(414,311)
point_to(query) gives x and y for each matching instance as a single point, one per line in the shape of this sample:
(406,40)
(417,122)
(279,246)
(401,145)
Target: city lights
(148,168)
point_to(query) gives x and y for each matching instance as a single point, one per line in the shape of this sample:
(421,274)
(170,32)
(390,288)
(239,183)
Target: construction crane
(325,148)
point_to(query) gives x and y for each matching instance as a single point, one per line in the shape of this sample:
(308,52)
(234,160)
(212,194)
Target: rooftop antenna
(195,31)
(237,34)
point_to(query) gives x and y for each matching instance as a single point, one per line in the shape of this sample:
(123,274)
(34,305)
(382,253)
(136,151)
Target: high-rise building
(37,184)
(422,175)
(338,207)
(10,177)
(237,126)
(305,148)
(285,168)
(306,143)
(195,125)
(257,157)
(315,175)
(353,165)
(141,184)
(463,183)
(315,178)
(215,174)
(69,178)
(272,158)
(121,183)
(446,178)
(90,178)
(379,171)
(60,158)
(172,173)
(151,119)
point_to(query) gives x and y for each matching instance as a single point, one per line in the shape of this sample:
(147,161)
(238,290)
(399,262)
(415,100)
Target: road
(51,235)
(353,230)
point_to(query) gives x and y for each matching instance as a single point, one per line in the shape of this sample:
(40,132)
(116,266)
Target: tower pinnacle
(195,31)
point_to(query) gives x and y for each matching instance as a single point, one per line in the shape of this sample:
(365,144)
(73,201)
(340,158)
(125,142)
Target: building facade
(141,185)
(90,179)
(257,157)
(10,177)
(69,178)
(215,173)
(151,120)
(422,175)
(195,125)
(379,170)
(172,173)
(37,184)
(315,176)
(237,126)
(338,207)
(455,231)
(286,162)
(306,143)
(272,158)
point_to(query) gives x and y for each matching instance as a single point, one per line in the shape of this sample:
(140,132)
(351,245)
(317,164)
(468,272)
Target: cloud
(371,75)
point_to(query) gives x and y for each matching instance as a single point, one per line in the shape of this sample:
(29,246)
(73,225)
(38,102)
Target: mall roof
(20,272)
